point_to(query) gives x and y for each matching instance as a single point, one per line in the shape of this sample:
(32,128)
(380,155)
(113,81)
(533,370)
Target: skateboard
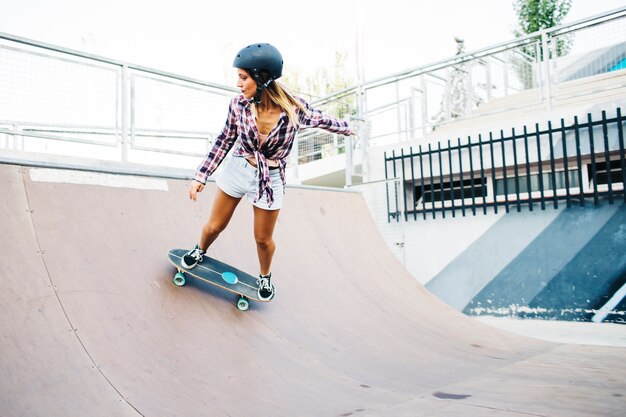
(219,274)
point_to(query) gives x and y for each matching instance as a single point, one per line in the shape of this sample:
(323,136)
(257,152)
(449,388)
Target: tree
(325,81)
(536,15)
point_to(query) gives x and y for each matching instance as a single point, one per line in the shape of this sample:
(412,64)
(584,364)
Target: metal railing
(64,102)
(538,70)
(319,144)
(579,163)
(60,101)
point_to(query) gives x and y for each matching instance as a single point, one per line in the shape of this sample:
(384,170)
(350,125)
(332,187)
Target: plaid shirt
(241,128)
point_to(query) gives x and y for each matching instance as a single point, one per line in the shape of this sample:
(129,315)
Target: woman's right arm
(194,188)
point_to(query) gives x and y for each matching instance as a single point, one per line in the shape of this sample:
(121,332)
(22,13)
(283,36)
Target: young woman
(262,124)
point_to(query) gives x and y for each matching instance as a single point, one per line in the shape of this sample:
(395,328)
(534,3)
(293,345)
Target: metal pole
(363,133)
(127,107)
(398,114)
(424,106)
(349,166)
(546,72)
(505,76)
(469,93)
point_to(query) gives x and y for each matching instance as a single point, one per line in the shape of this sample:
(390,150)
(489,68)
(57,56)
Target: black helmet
(260,57)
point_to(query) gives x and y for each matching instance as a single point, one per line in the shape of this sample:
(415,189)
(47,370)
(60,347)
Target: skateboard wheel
(179,279)
(243,304)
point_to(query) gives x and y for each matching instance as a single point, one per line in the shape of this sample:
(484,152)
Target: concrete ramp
(92,325)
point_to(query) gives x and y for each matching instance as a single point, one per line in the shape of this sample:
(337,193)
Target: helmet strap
(260,87)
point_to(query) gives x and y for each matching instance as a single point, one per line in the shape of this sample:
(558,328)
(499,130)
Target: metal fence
(315,144)
(576,163)
(540,69)
(60,101)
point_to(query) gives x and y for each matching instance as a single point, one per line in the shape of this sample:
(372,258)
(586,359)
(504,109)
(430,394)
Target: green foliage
(323,82)
(536,15)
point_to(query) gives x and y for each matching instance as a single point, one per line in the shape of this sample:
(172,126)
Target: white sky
(198,38)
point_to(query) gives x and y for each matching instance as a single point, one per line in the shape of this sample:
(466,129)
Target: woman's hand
(194,188)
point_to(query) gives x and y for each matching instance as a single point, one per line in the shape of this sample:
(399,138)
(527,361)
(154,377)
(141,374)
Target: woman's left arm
(319,119)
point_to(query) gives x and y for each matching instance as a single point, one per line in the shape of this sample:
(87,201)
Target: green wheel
(243,304)
(179,279)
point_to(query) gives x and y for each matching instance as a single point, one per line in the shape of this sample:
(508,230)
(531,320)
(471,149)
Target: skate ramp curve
(92,324)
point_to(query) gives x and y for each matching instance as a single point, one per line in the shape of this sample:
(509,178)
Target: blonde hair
(280,96)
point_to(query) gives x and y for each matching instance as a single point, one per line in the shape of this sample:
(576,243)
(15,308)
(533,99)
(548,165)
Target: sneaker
(266,290)
(192,258)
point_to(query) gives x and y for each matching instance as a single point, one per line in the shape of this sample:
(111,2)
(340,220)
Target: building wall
(557,263)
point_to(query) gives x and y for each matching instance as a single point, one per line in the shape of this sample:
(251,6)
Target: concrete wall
(561,263)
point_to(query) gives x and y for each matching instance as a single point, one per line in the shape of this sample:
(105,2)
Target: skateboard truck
(242,304)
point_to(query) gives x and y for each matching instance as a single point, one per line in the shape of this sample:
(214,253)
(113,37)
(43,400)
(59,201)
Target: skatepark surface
(92,325)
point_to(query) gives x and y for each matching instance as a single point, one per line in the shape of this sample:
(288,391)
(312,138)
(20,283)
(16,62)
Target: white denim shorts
(237,177)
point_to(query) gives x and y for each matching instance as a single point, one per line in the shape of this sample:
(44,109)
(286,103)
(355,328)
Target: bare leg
(264,222)
(223,208)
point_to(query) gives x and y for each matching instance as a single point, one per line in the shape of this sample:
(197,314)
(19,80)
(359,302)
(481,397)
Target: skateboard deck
(219,274)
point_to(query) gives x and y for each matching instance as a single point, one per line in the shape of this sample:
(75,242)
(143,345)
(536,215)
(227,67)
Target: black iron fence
(579,163)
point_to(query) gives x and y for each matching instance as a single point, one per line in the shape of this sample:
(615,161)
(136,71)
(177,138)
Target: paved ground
(580,333)
(91,324)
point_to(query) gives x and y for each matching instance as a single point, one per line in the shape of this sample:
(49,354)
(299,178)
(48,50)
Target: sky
(199,39)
